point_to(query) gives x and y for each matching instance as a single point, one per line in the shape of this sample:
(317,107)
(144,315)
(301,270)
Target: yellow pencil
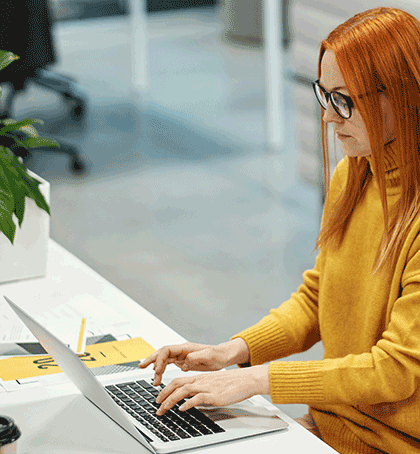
(81,335)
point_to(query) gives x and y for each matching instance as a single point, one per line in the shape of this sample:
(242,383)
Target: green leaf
(32,191)
(12,125)
(17,141)
(8,158)
(7,204)
(17,165)
(17,187)
(20,208)
(15,182)
(7,226)
(24,184)
(6,58)
(38,142)
(29,131)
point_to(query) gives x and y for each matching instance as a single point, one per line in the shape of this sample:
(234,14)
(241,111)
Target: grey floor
(183,207)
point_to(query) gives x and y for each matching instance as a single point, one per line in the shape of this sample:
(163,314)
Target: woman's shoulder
(341,170)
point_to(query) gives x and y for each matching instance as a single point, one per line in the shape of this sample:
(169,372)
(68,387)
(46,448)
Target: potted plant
(21,192)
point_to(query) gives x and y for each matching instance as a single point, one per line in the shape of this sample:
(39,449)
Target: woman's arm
(214,388)
(389,372)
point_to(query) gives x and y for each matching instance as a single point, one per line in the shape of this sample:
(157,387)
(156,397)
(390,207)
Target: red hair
(378,50)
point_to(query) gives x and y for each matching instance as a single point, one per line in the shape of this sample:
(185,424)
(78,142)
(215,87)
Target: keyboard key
(144,384)
(197,414)
(204,430)
(182,434)
(173,437)
(154,390)
(139,400)
(215,428)
(162,437)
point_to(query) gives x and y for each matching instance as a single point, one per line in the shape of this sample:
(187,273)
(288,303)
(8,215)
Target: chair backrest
(26,31)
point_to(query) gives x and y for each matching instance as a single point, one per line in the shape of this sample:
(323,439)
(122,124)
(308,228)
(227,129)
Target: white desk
(58,419)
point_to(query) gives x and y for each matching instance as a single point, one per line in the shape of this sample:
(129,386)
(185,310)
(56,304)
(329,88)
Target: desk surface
(58,419)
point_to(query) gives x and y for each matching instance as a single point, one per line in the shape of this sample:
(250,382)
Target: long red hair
(378,51)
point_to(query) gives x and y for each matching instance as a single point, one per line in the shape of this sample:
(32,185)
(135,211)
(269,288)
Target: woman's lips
(342,136)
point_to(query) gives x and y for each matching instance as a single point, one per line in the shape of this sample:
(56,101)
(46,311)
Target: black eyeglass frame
(327,94)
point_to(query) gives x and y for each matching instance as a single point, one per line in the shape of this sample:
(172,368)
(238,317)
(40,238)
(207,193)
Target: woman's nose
(331,115)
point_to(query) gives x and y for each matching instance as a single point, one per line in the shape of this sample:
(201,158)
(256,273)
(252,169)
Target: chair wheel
(77,112)
(77,106)
(77,165)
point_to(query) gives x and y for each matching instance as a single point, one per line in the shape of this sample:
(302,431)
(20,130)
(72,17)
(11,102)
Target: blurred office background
(183,204)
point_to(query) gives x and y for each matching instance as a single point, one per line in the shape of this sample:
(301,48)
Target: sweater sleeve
(388,373)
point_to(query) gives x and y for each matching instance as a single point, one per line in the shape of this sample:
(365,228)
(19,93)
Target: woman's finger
(161,359)
(198,399)
(174,397)
(157,379)
(149,360)
(167,355)
(172,386)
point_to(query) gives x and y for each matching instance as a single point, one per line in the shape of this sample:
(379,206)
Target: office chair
(25,30)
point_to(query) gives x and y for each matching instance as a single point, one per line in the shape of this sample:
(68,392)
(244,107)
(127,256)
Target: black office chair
(25,30)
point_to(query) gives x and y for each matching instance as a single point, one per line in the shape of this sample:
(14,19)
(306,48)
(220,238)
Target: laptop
(130,401)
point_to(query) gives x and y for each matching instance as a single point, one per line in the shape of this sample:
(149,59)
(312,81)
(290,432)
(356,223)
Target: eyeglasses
(342,104)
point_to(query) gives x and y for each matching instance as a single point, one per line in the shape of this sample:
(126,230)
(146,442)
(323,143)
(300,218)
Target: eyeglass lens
(339,102)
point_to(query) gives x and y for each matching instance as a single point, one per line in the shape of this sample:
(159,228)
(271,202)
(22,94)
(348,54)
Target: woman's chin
(354,152)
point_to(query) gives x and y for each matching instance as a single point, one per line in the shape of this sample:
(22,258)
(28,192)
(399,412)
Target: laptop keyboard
(138,398)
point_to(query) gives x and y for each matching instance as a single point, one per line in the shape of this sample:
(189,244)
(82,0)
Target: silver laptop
(130,402)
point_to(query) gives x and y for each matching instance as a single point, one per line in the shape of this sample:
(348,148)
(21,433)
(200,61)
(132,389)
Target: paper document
(80,321)
(71,322)
(17,340)
(105,356)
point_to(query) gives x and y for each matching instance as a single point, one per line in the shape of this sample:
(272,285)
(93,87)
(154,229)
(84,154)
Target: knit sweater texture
(364,395)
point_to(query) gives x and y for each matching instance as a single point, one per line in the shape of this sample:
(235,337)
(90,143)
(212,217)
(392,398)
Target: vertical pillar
(139,46)
(274,92)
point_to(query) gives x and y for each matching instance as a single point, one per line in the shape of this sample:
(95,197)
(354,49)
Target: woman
(362,298)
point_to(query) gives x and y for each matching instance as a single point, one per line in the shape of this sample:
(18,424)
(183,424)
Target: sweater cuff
(296,382)
(266,341)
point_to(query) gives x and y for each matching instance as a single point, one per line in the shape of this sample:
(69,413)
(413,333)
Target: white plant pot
(27,256)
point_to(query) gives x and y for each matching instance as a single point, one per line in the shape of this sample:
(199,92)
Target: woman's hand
(200,357)
(215,388)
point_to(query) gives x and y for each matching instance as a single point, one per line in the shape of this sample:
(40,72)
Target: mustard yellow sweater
(364,395)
